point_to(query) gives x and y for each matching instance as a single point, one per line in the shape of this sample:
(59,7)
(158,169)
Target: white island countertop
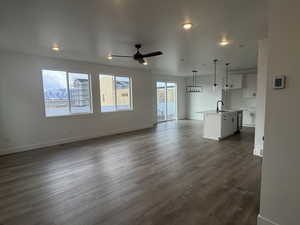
(220,112)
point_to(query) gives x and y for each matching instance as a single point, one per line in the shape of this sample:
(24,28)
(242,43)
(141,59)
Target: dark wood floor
(168,175)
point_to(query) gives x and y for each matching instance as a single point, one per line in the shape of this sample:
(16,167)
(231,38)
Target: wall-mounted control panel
(279,82)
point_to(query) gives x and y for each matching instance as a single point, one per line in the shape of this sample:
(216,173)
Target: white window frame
(115,94)
(68,90)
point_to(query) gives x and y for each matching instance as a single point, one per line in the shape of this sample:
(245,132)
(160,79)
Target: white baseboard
(258,151)
(10,150)
(195,118)
(211,138)
(265,221)
(249,125)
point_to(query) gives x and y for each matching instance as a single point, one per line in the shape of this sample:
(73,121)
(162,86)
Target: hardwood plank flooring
(168,175)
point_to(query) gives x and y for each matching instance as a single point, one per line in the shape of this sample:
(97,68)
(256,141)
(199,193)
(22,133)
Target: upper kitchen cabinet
(249,92)
(249,86)
(235,81)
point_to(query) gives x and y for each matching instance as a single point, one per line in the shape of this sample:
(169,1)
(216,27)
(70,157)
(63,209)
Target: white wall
(204,101)
(262,71)
(23,125)
(280,191)
(238,99)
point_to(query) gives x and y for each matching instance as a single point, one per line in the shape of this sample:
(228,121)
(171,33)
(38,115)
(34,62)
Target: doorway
(166,101)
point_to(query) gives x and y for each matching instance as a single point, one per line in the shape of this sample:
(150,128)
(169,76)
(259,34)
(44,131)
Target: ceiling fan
(138,56)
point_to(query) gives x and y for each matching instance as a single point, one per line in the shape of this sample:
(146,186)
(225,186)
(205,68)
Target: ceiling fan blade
(152,54)
(121,56)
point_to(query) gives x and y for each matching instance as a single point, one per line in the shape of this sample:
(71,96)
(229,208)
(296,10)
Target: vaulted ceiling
(91,29)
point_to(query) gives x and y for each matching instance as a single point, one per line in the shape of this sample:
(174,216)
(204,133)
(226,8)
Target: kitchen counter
(219,125)
(222,111)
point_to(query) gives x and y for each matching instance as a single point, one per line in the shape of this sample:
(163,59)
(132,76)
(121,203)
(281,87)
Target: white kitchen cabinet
(249,92)
(235,81)
(221,125)
(228,124)
(249,117)
(225,125)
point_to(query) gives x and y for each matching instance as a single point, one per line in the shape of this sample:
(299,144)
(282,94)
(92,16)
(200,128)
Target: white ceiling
(88,30)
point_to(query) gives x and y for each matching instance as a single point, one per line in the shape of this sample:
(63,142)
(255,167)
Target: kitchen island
(219,125)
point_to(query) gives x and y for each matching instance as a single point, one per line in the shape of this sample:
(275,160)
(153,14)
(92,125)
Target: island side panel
(212,126)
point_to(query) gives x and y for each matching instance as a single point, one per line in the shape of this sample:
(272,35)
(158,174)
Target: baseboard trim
(249,125)
(11,150)
(265,221)
(258,150)
(212,138)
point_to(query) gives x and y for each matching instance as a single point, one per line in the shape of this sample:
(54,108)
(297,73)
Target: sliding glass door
(171,101)
(166,101)
(161,101)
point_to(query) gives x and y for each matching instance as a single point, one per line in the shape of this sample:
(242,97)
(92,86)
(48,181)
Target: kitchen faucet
(218,110)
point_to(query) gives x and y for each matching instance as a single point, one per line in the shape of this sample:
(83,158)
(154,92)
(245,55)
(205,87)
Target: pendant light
(215,74)
(227,76)
(194,87)
(194,76)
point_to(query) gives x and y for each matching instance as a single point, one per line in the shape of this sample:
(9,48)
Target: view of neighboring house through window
(123,93)
(66,93)
(115,93)
(79,87)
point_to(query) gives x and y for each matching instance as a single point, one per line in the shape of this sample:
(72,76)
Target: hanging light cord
(215,76)
(227,73)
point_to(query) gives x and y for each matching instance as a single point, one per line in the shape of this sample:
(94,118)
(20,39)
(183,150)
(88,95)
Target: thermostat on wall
(279,82)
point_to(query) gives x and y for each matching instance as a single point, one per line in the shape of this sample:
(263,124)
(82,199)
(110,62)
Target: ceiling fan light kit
(224,43)
(55,47)
(138,56)
(187,26)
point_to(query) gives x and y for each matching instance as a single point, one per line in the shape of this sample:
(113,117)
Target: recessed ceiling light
(109,57)
(224,42)
(55,48)
(187,26)
(145,63)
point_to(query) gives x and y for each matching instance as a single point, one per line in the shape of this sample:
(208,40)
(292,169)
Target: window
(115,93)
(123,93)
(66,93)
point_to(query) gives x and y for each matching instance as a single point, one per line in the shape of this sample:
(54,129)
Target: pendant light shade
(194,77)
